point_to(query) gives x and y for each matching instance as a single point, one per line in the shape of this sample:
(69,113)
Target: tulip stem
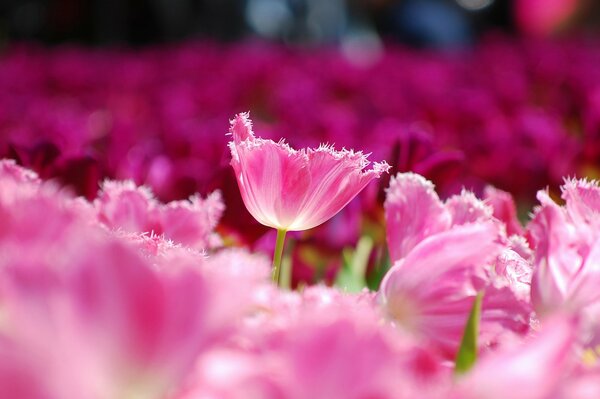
(277,256)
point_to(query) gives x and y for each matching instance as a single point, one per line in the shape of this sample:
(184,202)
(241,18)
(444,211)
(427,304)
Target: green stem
(277,256)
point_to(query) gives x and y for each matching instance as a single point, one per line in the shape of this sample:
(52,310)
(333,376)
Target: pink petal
(514,272)
(413,212)
(431,290)
(191,222)
(504,208)
(531,371)
(9,169)
(124,205)
(557,256)
(295,190)
(583,287)
(467,208)
(582,199)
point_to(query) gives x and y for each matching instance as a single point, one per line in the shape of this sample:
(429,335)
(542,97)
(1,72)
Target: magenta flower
(292,190)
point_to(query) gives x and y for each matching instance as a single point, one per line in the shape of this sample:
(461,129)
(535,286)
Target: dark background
(437,23)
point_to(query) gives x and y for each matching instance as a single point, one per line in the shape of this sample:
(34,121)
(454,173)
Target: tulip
(567,249)
(437,270)
(293,190)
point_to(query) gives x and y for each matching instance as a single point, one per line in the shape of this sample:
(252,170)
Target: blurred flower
(539,363)
(123,205)
(97,313)
(543,17)
(567,249)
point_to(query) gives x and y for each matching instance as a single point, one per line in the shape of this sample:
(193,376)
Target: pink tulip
(438,270)
(430,292)
(413,212)
(513,271)
(123,205)
(10,170)
(292,190)
(466,208)
(295,190)
(567,249)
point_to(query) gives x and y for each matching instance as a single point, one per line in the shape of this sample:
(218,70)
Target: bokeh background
(438,23)
(469,93)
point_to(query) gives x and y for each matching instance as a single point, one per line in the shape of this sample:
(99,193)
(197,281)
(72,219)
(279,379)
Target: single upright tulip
(293,190)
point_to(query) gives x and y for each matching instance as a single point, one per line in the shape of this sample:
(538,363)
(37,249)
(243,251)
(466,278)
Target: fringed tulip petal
(430,292)
(504,208)
(295,190)
(407,224)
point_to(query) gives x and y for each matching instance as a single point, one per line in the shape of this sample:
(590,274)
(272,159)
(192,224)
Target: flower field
(423,226)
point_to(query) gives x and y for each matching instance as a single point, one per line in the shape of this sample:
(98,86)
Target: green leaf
(352,275)
(467,353)
(379,270)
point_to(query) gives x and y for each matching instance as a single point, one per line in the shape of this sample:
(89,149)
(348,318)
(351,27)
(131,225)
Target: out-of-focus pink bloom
(109,326)
(533,370)
(234,374)
(504,209)
(295,190)
(567,249)
(322,344)
(192,221)
(584,384)
(84,315)
(543,17)
(10,170)
(123,205)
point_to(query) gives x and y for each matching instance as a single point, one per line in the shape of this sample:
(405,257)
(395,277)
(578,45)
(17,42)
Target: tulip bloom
(293,190)
(437,270)
(567,249)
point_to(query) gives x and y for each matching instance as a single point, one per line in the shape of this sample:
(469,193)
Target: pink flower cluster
(515,113)
(127,297)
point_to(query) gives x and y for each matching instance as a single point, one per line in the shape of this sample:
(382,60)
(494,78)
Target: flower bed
(157,286)
(95,306)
